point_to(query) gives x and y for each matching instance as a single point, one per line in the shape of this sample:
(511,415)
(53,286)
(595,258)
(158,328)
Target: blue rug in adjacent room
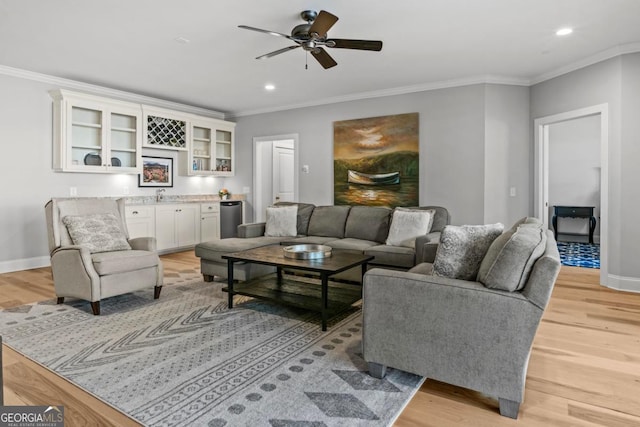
(579,254)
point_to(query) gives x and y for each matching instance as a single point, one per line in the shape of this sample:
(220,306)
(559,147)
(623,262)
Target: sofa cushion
(395,256)
(527,221)
(122,261)
(281,221)
(214,249)
(353,245)
(368,223)
(328,221)
(422,268)
(312,240)
(304,215)
(407,224)
(462,249)
(96,232)
(510,258)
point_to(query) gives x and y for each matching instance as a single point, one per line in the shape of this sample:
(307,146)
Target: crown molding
(403,90)
(590,60)
(108,92)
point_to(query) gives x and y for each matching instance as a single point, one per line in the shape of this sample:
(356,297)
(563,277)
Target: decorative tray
(307,251)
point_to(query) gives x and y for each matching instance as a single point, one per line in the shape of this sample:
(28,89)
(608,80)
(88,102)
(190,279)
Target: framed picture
(156,172)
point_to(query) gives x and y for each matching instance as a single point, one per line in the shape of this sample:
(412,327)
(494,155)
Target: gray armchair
(89,273)
(456,331)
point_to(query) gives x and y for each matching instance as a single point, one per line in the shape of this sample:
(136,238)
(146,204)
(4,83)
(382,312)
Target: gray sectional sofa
(355,228)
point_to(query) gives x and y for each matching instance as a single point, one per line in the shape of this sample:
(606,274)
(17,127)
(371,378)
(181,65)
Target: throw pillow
(96,232)
(510,258)
(407,224)
(462,249)
(281,221)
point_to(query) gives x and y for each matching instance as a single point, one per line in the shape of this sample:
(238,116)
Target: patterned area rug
(186,360)
(579,254)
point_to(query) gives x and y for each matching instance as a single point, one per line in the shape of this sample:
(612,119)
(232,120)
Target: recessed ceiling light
(564,31)
(269,87)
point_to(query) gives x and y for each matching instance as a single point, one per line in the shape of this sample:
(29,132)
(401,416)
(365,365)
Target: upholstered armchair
(462,332)
(92,257)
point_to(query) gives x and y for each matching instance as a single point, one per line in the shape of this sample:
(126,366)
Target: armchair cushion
(96,232)
(123,261)
(510,258)
(462,249)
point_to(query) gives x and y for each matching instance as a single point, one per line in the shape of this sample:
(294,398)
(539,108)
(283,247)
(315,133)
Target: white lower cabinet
(141,221)
(177,225)
(209,221)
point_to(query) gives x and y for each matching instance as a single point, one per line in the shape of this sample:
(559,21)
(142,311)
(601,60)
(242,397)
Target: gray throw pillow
(462,249)
(510,258)
(281,221)
(96,232)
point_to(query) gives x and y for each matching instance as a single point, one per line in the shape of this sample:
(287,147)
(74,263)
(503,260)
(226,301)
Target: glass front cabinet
(210,148)
(95,134)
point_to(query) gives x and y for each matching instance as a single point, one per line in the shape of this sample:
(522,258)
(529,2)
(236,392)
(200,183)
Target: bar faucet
(159,195)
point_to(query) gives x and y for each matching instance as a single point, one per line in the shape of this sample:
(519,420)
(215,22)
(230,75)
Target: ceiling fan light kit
(312,37)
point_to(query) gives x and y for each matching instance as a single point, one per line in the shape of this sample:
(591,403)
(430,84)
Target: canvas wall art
(376,161)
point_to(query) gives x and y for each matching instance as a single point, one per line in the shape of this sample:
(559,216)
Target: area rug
(186,360)
(579,254)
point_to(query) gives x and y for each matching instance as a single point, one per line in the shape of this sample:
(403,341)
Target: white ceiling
(131,45)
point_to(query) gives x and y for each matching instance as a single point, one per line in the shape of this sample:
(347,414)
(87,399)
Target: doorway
(275,172)
(543,139)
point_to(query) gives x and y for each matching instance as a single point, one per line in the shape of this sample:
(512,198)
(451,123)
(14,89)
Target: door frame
(257,166)
(541,171)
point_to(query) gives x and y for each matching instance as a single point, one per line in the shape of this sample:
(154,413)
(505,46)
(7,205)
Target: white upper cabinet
(96,134)
(165,129)
(211,148)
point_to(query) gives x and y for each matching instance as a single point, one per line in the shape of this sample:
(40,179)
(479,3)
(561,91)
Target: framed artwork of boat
(376,161)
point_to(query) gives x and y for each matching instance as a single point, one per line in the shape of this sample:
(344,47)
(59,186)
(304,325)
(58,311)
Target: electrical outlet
(73,191)
(305,168)
(246,190)
(512,191)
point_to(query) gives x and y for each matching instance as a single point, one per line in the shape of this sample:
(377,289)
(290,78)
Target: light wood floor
(584,368)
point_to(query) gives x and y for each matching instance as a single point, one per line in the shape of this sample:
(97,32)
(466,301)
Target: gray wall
(614,82)
(452,146)
(28,180)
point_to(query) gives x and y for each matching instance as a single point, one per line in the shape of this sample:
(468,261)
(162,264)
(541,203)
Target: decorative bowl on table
(307,251)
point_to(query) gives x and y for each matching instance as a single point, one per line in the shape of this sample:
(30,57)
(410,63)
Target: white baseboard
(630,284)
(24,264)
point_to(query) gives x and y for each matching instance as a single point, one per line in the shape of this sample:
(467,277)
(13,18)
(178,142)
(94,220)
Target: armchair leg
(60,300)
(509,408)
(377,370)
(95,307)
(156,292)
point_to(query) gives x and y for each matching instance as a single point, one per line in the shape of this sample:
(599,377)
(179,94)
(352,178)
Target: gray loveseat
(355,228)
(463,332)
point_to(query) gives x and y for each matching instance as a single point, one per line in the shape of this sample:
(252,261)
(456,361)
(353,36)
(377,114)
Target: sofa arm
(254,229)
(450,330)
(426,247)
(143,244)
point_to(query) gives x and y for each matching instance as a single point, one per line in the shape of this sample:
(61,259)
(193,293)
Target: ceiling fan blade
(323,58)
(355,44)
(277,52)
(260,30)
(322,23)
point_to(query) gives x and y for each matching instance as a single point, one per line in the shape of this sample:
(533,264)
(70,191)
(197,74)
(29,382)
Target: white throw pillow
(407,224)
(281,221)
(96,232)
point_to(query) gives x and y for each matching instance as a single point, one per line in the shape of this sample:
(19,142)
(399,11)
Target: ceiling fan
(312,37)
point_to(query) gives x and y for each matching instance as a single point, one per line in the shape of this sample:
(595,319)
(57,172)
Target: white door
(283,171)
(267,177)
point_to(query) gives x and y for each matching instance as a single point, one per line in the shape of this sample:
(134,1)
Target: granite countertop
(170,198)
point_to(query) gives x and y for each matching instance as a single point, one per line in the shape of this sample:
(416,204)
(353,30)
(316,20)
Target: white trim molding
(621,283)
(24,264)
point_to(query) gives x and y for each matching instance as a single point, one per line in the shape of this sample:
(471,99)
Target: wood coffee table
(312,294)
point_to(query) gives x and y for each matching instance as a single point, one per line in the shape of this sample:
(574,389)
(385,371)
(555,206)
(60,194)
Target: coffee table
(322,296)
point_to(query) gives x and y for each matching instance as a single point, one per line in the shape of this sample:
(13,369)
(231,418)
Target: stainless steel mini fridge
(230,218)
